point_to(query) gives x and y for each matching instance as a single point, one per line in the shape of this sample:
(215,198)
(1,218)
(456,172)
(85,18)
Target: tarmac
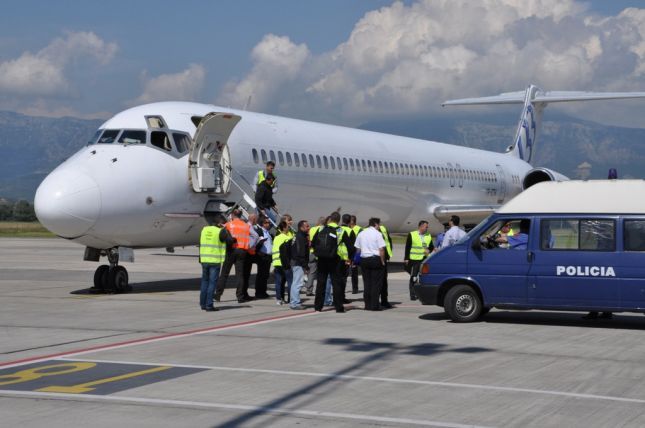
(153,358)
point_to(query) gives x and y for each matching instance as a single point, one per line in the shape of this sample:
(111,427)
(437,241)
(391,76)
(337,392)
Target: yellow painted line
(38,372)
(86,387)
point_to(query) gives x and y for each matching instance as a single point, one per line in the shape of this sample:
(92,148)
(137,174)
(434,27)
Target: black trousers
(330,268)
(235,257)
(414,265)
(384,285)
(262,277)
(373,271)
(344,273)
(354,279)
(249,260)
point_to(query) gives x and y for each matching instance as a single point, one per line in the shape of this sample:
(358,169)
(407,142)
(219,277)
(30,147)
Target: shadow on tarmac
(562,319)
(376,354)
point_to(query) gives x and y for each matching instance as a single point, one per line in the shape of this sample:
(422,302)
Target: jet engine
(538,175)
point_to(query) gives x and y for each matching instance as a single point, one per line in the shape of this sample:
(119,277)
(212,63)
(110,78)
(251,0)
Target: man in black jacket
(266,206)
(299,263)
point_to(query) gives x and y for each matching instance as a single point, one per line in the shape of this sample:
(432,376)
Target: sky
(335,61)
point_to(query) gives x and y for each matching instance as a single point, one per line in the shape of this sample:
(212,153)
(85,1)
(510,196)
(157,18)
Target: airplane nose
(68,203)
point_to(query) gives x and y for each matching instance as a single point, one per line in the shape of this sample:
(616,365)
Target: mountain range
(30,147)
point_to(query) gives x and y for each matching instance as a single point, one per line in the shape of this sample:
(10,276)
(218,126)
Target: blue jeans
(296,285)
(329,293)
(279,272)
(210,273)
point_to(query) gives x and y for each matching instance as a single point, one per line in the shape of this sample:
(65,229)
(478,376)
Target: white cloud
(43,73)
(277,61)
(183,86)
(406,59)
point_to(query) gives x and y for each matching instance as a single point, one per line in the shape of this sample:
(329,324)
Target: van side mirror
(477,245)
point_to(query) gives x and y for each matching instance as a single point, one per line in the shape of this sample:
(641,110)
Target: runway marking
(385,379)
(78,377)
(88,386)
(158,338)
(246,408)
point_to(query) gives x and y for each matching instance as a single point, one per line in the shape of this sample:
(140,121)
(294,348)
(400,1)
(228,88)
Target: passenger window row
(302,160)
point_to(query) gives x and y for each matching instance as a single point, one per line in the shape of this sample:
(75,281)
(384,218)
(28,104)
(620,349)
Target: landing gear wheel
(463,304)
(101,278)
(118,279)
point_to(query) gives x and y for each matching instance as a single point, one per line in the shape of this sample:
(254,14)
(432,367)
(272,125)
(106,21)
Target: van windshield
(474,231)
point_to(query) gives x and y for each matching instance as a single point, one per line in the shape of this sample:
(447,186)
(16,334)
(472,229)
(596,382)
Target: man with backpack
(331,248)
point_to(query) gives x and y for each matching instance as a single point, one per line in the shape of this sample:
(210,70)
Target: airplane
(151,174)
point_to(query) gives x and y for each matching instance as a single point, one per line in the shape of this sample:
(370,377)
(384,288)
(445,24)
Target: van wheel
(463,304)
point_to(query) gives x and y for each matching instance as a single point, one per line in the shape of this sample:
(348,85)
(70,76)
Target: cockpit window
(182,141)
(108,136)
(132,137)
(161,140)
(155,122)
(95,137)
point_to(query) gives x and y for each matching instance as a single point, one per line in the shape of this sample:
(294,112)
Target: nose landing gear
(113,278)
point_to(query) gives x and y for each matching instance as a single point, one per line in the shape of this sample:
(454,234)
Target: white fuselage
(138,195)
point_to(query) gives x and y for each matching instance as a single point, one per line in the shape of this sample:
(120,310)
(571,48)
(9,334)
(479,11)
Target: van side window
(634,235)
(578,234)
(507,234)
(597,235)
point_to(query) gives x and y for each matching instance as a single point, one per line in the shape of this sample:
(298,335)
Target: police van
(572,245)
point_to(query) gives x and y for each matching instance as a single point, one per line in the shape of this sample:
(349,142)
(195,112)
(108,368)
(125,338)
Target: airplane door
(451,174)
(502,185)
(209,158)
(460,175)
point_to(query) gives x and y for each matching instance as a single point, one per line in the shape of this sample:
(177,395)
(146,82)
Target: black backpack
(326,243)
(285,254)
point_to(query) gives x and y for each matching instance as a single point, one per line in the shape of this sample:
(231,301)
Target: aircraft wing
(468,214)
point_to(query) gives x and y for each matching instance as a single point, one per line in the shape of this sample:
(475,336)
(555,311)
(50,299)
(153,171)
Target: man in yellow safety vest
(388,255)
(212,251)
(417,247)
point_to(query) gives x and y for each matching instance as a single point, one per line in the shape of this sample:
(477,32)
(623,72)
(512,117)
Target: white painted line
(380,379)
(246,408)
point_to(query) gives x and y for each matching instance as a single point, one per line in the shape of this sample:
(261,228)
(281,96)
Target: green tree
(23,211)
(6,211)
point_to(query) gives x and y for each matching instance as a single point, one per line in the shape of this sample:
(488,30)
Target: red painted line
(153,338)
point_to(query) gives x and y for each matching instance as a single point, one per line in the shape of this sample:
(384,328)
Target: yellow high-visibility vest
(275,251)
(388,246)
(211,249)
(261,178)
(312,232)
(419,245)
(342,249)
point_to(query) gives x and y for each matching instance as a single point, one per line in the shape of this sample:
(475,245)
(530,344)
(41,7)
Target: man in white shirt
(453,234)
(371,247)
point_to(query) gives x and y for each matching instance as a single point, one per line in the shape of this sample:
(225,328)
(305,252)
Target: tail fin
(535,101)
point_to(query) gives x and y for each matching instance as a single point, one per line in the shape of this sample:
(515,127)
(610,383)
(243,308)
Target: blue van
(573,245)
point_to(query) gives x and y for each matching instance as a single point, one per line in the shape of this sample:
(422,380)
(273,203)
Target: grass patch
(20,229)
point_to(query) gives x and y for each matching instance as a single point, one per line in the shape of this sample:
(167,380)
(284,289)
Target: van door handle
(529,256)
